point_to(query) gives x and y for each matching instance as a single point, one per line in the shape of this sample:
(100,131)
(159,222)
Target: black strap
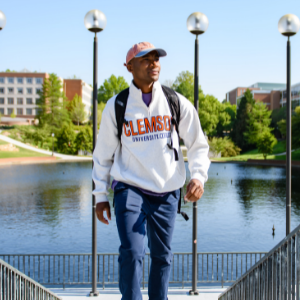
(120,108)
(185,216)
(174,105)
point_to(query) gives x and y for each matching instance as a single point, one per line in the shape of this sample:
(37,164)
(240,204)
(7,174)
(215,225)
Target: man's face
(145,69)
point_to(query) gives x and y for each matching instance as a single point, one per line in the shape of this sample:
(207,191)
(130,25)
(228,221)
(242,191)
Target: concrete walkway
(22,145)
(114,294)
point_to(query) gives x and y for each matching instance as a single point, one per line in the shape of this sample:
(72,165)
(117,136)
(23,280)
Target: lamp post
(2,20)
(197,23)
(94,21)
(288,26)
(52,144)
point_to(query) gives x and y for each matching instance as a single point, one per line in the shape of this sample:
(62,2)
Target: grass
(254,154)
(21,153)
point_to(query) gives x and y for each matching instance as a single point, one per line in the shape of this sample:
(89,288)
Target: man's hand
(194,191)
(100,208)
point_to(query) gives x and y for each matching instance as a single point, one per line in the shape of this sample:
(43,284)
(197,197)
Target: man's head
(142,61)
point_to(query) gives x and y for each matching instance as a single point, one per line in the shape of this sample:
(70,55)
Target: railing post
(222,270)
(298,266)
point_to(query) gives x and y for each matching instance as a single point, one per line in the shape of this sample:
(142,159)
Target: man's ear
(129,67)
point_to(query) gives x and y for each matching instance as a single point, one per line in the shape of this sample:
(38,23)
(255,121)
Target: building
(82,89)
(19,94)
(268,93)
(295,96)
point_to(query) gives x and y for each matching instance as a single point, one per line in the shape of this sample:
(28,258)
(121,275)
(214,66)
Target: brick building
(268,93)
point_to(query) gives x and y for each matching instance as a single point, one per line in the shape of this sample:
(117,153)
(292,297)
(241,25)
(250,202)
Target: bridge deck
(114,294)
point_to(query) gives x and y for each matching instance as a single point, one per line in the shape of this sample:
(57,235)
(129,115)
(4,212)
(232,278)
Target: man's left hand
(194,190)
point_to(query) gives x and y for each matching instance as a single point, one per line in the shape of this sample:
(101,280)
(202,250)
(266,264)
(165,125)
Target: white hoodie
(143,159)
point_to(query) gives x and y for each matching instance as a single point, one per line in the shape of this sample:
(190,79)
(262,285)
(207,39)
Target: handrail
(75,269)
(16,285)
(275,276)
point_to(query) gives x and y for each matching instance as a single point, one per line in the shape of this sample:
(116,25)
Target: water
(47,209)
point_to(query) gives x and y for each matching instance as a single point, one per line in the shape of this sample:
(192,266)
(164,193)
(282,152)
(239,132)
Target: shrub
(224,145)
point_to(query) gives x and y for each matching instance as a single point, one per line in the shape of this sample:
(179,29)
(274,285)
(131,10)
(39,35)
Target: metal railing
(276,276)
(16,285)
(76,269)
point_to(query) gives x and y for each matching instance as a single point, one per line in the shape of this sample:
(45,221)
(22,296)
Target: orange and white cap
(141,49)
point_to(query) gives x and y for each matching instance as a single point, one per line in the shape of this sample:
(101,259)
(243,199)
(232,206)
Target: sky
(241,46)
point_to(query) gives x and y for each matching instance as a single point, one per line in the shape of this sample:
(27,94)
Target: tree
(240,124)
(65,139)
(111,86)
(277,115)
(224,145)
(258,122)
(13,115)
(52,104)
(84,140)
(76,109)
(231,111)
(212,115)
(266,143)
(184,85)
(295,128)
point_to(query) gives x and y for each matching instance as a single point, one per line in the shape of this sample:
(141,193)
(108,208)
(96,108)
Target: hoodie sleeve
(107,143)
(197,147)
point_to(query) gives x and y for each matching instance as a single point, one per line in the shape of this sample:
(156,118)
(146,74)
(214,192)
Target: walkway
(22,145)
(114,294)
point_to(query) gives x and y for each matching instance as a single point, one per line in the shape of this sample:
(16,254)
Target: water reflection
(47,208)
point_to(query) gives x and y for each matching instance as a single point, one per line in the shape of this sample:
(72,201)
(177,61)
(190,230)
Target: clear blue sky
(241,46)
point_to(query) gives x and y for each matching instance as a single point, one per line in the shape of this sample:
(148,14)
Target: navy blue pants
(138,214)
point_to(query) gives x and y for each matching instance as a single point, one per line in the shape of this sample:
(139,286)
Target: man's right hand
(100,208)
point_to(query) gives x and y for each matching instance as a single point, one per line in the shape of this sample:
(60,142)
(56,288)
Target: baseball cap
(141,49)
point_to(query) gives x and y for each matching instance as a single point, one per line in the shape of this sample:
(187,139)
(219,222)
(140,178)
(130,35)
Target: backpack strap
(120,108)
(174,105)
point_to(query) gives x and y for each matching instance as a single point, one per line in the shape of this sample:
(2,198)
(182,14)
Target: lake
(46,208)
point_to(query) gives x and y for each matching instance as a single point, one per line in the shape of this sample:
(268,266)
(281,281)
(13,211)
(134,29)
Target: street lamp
(94,21)
(2,20)
(52,144)
(197,23)
(288,26)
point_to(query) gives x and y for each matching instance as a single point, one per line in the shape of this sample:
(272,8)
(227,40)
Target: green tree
(13,115)
(76,109)
(240,125)
(231,110)
(295,128)
(84,140)
(111,86)
(65,139)
(212,115)
(277,115)
(52,104)
(224,145)
(184,85)
(258,122)
(266,143)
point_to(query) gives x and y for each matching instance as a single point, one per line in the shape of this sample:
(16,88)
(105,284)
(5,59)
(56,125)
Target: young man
(148,174)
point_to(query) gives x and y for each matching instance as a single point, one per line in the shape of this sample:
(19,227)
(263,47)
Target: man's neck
(146,88)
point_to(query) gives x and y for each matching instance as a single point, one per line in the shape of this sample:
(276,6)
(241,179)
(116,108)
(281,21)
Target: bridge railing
(76,269)
(275,276)
(15,285)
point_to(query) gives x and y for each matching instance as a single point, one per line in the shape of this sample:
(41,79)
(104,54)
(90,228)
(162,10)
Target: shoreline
(37,160)
(53,159)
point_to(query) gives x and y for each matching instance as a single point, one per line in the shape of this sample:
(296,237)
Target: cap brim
(160,52)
